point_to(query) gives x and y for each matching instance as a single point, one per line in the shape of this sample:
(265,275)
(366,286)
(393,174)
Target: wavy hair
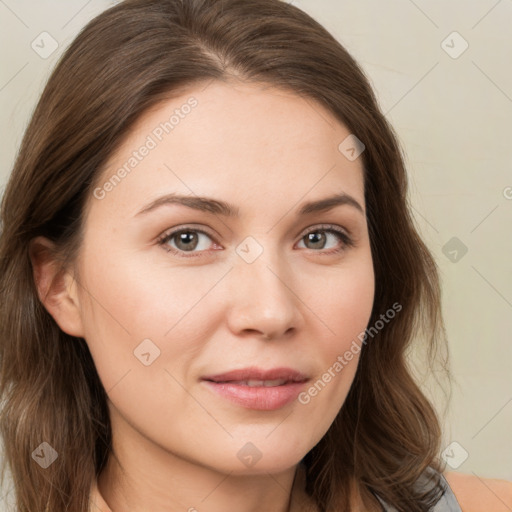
(123,62)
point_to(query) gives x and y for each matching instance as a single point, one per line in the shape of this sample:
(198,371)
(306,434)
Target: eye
(188,240)
(318,237)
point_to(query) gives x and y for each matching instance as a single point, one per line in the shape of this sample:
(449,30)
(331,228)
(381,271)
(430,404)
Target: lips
(254,388)
(256,375)
(258,383)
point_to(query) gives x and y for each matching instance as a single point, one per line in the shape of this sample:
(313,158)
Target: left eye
(318,237)
(188,240)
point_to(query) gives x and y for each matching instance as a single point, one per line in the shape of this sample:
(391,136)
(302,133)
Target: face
(176,295)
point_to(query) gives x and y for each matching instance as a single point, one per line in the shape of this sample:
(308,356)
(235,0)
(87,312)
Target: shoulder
(475,494)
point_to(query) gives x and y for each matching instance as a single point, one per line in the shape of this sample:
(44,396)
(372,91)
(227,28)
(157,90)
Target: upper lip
(254,373)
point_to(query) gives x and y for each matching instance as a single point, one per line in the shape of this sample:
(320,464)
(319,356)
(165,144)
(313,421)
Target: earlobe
(56,287)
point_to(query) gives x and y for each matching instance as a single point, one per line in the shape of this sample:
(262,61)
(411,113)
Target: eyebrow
(217,207)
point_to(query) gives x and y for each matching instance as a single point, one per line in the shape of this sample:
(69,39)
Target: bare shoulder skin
(476,494)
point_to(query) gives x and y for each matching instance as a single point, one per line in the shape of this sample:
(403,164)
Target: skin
(474,493)
(266,151)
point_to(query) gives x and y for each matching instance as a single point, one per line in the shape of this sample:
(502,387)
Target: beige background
(452,110)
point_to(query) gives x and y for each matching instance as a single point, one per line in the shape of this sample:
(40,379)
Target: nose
(262,300)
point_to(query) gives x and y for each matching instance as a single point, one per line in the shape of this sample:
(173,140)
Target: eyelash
(347,241)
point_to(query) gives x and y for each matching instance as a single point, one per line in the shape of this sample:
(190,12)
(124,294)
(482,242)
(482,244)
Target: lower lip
(260,398)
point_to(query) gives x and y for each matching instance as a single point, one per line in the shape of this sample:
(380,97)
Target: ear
(56,287)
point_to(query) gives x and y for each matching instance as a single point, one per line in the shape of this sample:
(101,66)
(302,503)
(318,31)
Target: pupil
(185,237)
(313,236)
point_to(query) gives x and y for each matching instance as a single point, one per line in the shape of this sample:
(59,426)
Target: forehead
(251,144)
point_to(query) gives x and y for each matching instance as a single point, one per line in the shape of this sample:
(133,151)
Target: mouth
(254,383)
(257,389)
(274,376)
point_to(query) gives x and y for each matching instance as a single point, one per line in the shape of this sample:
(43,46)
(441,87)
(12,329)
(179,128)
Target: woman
(261,368)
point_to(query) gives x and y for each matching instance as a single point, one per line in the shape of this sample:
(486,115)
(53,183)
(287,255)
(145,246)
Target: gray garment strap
(447,503)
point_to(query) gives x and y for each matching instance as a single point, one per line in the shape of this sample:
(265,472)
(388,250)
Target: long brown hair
(123,62)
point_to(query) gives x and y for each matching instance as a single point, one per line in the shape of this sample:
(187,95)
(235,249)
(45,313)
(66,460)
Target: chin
(251,458)
(274,465)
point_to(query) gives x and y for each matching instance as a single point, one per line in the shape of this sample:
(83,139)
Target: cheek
(350,305)
(342,301)
(344,309)
(143,332)
(350,315)
(133,306)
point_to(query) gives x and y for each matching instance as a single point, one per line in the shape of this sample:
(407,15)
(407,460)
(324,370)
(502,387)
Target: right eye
(185,240)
